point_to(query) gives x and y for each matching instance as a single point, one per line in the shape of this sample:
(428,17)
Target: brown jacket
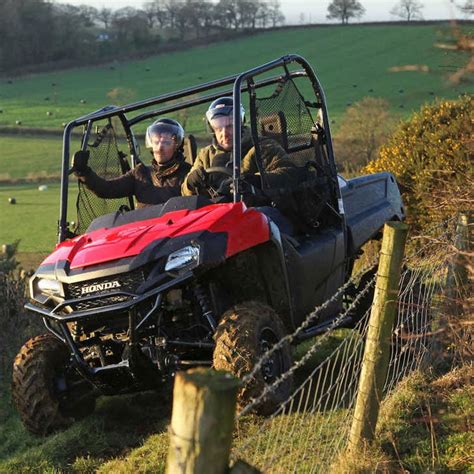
(150,185)
(278,167)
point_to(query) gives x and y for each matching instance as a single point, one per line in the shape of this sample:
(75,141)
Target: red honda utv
(130,296)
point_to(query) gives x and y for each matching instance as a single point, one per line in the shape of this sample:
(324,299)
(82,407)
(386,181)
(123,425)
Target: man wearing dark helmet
(150,185)
(219,118)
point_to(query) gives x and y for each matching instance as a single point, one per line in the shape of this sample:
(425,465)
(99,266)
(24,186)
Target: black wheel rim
(273,366)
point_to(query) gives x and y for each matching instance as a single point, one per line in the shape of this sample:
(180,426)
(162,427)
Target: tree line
(33,32)
(405,10)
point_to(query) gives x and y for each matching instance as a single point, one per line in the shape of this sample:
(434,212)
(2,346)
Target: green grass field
(33,219)
(351,62)
(29,156)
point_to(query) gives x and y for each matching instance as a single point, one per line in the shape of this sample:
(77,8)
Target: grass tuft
(429,423)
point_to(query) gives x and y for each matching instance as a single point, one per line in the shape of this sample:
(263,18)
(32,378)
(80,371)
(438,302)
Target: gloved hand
(252,193)
(79,162)
(252,180)
(225,186)
(197,179)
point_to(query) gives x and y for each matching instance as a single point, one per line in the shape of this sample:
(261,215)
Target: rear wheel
(48,393)
(244,334)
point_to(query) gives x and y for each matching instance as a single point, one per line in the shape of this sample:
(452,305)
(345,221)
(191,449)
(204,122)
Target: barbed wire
(289,338)
(269,388)
(341,387)
(320,409)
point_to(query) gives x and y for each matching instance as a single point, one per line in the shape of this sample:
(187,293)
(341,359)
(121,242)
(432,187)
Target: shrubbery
(431,156)
(15,326)
(365,126)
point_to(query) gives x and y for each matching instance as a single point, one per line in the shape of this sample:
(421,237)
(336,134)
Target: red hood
(244,227)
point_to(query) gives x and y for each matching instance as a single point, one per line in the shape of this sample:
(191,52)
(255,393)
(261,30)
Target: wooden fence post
(7,249)
(202,422)
(458,278)
(377,346)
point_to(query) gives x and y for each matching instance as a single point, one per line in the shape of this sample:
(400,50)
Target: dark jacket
(150,185)
(279,169)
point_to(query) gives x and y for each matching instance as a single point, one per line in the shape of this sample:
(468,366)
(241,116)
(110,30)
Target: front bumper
(60,314)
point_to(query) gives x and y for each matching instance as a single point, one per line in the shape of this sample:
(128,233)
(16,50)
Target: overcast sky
(315,11)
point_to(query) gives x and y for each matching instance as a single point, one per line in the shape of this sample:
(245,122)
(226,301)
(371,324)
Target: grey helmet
(222,106)
(165,126)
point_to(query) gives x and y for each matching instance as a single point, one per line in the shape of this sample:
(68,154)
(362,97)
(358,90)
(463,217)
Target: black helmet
(165,126)
(222,106)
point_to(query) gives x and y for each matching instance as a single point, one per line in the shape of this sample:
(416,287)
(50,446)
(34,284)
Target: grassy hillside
(29,156)
(87,444)
(351,61)
(105,443)
(33,219)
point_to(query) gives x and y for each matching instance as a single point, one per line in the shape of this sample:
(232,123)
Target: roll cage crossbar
(241,83)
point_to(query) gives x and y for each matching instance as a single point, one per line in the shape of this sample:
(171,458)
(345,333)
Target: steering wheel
(224,189)
(220,169)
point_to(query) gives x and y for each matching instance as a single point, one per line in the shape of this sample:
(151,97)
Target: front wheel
(47,392)
(244,334)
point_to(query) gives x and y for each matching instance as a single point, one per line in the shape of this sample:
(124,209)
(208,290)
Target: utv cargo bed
(369,202)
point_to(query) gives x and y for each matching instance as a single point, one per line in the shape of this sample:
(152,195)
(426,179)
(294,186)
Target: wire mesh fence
(311,428)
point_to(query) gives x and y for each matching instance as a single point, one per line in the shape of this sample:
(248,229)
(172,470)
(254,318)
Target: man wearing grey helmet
(150,185)
(219,117)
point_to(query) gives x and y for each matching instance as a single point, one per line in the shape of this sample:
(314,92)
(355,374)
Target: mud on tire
(244,334)
(41,387)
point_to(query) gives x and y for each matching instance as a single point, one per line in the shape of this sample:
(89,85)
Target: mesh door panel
(105,162)
(285,118)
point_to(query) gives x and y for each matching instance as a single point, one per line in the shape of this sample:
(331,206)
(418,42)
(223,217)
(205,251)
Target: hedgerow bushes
(364,128)
(431,156)
(15,326)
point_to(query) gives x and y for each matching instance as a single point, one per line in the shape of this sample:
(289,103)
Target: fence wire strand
(310,429)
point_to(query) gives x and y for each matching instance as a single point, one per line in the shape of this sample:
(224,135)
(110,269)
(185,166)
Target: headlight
(182,258)
(51,287)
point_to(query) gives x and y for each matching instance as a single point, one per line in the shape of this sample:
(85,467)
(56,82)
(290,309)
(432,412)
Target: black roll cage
(238,82)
